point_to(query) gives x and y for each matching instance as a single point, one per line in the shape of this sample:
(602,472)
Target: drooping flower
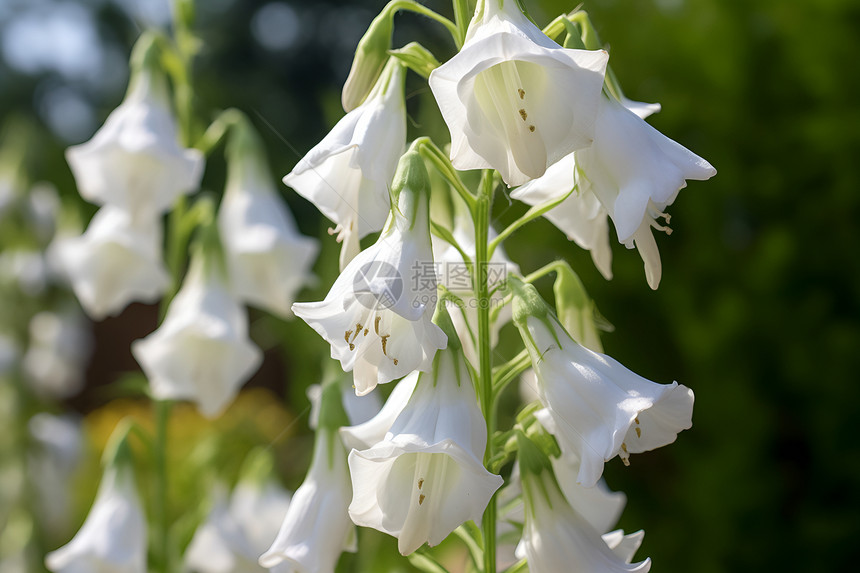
(377,315)
(113,536)
(201,352)
(317,528)
(599,409)
(426,477)
(116,261)
(367,434)
(237,531)
(557,538)
(268,259)
(134,161)
(347,175)
(513,99)
(636,172)
(58,353)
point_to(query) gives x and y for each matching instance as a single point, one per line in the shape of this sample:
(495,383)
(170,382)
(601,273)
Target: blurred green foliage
(758,307)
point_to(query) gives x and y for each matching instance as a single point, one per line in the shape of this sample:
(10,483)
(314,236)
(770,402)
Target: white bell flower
(377,315)
(238,531)
(116,261)
(316,528)
(599,409)
(113,536)
(636,172)
(135,161)
(426,477)
(201,352)
(269,260)
(557,538)
(58,353)
(580,216)
(513,99)
(347,175)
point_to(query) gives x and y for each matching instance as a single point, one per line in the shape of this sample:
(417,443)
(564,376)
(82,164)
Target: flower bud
(370,57)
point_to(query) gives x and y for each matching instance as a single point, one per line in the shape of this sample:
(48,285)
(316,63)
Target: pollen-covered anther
(625,456)
(346,336)
(376,324)
(522,93)
(532,128)
(420,483)
(524,114)
(421,499)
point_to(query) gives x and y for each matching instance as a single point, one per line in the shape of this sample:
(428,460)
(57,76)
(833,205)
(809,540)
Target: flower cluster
(544,118)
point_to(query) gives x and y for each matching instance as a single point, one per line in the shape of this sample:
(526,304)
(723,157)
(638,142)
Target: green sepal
(417,58)
(370,57)
(443,320)
(410,188)
(573,41)
(332,413)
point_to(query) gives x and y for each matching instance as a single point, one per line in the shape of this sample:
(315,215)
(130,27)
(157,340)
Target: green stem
(485,370)
(424,11)
(162,539)
(545,270)
(506,373)
(528,217)
(431,152)
(462,16)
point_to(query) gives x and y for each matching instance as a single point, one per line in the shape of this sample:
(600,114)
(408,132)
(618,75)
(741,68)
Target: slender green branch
(528,217)
(506,373)
(216,131)
(470,534)
(448,237)
(453,29)
(162,416)
(430,151)
(426,563)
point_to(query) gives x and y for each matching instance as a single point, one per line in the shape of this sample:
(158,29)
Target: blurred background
(757,310)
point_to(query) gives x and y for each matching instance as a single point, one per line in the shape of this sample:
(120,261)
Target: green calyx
(332,414)
(370,57)
(443,320)
(410,188)
(526,302)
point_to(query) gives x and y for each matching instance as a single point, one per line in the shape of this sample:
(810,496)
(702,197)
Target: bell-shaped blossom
(348,174)
(135,161)
(557,538)
(636,172)
(116,261)
(316,528)
(113,536)
(269,260)
(426,477)
(453,273)
(580,216)
(513,99)
(238,531)
(599,408)
(58,353)
(377,315)
(201,352)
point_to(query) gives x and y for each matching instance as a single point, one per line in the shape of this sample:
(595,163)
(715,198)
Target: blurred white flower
(57,446)
(316,528)
(636,172)
(25,269)
(134,161)
(201,352)
(269,260)
(426,477)
(58,353)
(237,532)
(113,536)
(348,174)
(116,261)
(513,99)
(377,315)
